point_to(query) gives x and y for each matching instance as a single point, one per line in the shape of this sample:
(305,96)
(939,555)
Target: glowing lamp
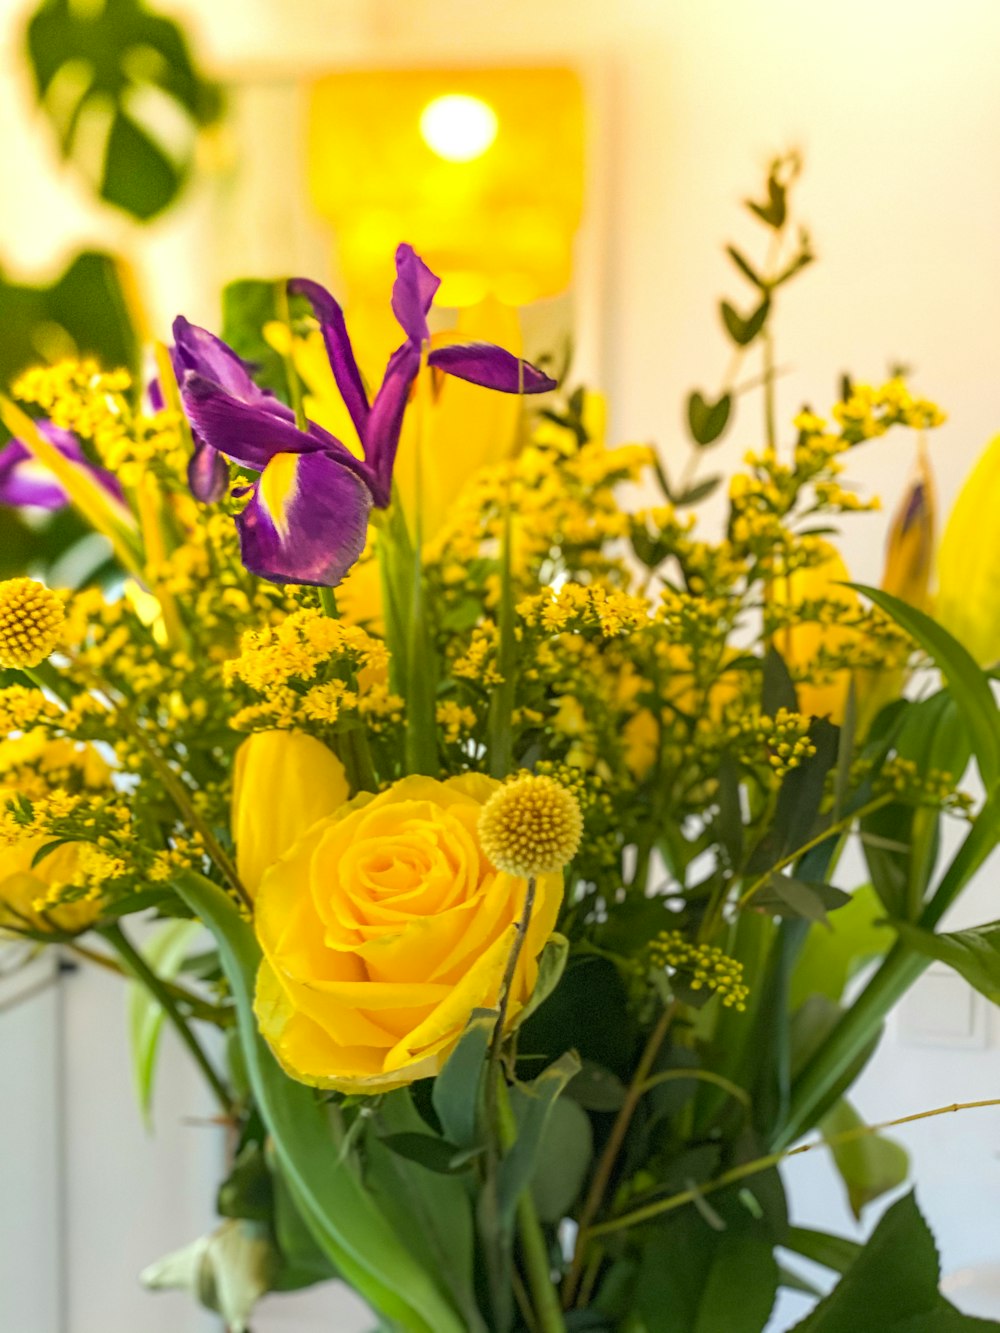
(481,170)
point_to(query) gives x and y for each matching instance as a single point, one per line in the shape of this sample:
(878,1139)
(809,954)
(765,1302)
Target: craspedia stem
(31,622)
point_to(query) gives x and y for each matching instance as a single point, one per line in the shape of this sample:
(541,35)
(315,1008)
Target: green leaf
(829,957)
(707,421)
(247,1191)
(746,268)
(351,1231)
(458,1089)
(564,1156)
(834,1252)
(694,1279)
(869,1165)
(777,686)
(427,1150)
(596,1089)
(969,685)
(774,212)
(430,1209)
(744,330)
(551,965)
(165,952)
(701,490)
(892,1285)
(974,954)
(532,1105)
(104,74)
(785,896)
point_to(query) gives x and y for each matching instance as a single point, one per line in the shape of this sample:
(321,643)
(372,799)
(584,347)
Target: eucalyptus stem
(145,976)
(759,1164)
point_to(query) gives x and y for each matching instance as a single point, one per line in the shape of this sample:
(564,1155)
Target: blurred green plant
(124,96)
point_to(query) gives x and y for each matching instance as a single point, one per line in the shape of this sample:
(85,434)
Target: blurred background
(585,162)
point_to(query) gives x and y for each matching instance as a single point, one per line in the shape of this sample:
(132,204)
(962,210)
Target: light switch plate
(943,1010)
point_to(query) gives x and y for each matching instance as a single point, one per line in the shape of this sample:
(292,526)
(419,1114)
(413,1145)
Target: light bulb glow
(457,127)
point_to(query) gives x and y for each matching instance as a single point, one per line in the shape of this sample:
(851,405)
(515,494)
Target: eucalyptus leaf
(869,1165)
(742,329)
(564,1156)
(458,1088)
(532,1105)
(707,421)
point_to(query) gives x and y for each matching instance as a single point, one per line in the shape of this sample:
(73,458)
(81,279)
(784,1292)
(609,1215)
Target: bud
(910,548)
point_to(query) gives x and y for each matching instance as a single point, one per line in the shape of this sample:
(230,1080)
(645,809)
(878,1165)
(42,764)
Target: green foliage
(352,1231)
(248,305)
(105,75)
(869,1165)
(892,1285)
(830,955)
(165,952)
(974,954)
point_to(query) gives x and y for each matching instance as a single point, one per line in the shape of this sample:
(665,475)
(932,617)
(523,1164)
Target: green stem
(534,1251)
(291,374)
(145,976)
(203,1009)
(738,1173)
(897,973)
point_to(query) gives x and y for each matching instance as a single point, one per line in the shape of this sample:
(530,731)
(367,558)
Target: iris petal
(197,351)
(306,520)
(386,420)
(490,366)
(412,293)
(338,348)
(208,473)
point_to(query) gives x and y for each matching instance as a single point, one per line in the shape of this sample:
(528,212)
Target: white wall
(897,107)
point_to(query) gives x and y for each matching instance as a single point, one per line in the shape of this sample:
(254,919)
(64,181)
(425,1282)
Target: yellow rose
(382,928)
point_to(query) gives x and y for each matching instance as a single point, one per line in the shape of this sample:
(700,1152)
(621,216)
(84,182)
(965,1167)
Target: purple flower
(26,481)
(379,424)
(307,516)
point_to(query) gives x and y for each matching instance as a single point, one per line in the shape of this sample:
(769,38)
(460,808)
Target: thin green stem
(606,1163)
(534,1251)
(200,1008)
(759,1164)
(145,976)
(832,831)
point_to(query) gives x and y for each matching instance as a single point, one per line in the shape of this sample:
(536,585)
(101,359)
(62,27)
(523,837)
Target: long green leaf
(532,1105)
(348,1227)
(165,952)
(974,954)
(969,684)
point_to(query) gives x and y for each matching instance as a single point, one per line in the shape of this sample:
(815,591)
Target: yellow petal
(910,548)
(968,598)
(284,781)
(801,643)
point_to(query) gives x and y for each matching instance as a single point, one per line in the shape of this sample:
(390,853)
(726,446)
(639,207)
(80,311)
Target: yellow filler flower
(31,621)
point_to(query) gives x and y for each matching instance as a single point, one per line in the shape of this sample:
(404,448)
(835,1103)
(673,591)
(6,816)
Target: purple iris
(307,516)
(24,480)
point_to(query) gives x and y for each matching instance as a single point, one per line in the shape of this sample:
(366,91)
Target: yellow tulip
(968,564)
(383,928)
(283,782)
(801,643)
(910,549)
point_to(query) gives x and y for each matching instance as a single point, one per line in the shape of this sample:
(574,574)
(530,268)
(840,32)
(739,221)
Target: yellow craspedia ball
(532,826)
(31,618)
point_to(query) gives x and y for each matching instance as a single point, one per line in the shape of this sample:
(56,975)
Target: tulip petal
(490,366)
(283,782)
(306,521)
(412,293)
(338,348)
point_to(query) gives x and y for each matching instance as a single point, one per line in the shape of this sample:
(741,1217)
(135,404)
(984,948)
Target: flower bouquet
(515,813)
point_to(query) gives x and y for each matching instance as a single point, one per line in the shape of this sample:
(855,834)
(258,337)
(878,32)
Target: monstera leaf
(123,94)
